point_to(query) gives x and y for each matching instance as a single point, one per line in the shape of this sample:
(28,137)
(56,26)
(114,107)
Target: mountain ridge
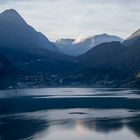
(14,30)
(79,46)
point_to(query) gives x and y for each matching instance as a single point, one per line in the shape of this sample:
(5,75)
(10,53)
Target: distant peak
(105,34)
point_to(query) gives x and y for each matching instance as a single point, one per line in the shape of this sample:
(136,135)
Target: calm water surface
(70,114)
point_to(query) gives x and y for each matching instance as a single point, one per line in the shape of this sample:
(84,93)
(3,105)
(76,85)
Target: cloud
(63,19)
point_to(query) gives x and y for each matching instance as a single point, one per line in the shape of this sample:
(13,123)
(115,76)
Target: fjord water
(70,113)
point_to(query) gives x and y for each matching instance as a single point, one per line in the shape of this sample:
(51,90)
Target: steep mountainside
(29,51)
(14,31)
(7,72)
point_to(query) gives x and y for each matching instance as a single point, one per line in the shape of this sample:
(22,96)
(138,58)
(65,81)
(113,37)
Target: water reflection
(77,118)
(12,128)
(53,124)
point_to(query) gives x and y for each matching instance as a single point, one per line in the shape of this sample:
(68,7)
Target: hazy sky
(70,18)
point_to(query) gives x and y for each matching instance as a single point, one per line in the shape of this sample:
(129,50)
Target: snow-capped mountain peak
(83,44)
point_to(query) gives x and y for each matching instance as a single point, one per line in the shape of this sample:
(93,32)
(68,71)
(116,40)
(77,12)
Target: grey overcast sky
(70,18)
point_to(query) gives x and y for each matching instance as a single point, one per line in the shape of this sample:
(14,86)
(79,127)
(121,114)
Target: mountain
(5,66)
(133,38)
(109,64)
(101,55)
(14,31)
(100,64)
(80,45)
(7,72)
(112,64)
(28,50)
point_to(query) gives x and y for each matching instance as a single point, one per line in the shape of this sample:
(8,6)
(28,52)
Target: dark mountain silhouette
(15,32)
(29,51)
(7,72)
